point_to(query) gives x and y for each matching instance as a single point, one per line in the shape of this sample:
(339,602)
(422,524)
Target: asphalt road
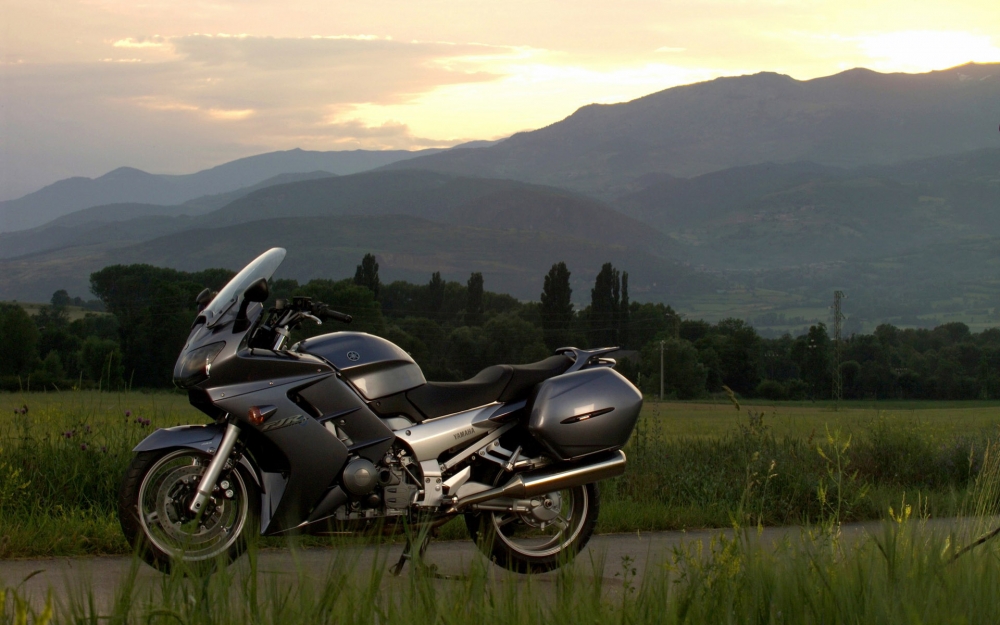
(103,575)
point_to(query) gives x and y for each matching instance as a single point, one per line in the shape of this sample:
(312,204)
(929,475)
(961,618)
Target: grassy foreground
(903,573)
(690,465)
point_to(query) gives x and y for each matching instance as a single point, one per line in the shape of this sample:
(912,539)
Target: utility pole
(661,370)
(838,318)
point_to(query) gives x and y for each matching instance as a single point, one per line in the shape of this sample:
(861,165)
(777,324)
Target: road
(103,575)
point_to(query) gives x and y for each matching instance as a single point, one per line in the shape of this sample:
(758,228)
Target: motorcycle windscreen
(229,297)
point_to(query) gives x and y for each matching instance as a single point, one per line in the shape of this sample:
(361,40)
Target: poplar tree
(435,295)
(367,274)
(474,300)
(557,307)
(605,304)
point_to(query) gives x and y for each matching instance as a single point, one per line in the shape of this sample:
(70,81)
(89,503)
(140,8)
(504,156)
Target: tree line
(455,329)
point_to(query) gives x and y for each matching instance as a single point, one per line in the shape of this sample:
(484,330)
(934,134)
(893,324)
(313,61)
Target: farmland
(691,465)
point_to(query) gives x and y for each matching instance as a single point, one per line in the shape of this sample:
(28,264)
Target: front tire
(152,510)
(535,542)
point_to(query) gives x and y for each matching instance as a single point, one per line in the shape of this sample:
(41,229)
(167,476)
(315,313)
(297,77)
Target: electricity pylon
(838,318)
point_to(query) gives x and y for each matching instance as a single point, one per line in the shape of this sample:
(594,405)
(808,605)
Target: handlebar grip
(324,311)
(339,316)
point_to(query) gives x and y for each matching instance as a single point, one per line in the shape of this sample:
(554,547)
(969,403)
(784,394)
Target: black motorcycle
(343,429)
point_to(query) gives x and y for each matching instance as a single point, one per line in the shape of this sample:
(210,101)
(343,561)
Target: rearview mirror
(203,298)
(257,292)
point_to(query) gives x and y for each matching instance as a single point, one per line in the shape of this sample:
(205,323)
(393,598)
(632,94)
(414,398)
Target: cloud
(182,103)
(142,42)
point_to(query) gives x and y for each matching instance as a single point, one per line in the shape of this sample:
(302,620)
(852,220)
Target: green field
(937,420)
(691,465)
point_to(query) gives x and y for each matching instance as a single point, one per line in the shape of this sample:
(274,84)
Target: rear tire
(152,510)
(519,542)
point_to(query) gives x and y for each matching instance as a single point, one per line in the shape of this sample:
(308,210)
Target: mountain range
(856,117)
(129,185)
(887,184)
(416,222)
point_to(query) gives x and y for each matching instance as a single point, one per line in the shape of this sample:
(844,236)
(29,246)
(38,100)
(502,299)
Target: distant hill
(125,223)
(407,247)
(856,117)
(770,215)
(511,231)
(208,203)
(129,185)
(445,198)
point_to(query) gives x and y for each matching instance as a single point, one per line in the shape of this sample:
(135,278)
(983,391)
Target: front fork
(215,467)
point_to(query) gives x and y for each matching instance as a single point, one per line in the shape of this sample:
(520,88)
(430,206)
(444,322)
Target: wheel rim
(164,495)
(553,522)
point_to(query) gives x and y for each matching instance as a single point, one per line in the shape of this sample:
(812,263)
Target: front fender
(204,438)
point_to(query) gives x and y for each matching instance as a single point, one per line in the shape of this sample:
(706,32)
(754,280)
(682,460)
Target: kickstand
(418,559)
(425,540)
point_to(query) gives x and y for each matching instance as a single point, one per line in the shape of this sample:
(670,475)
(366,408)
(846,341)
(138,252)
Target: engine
(382,490)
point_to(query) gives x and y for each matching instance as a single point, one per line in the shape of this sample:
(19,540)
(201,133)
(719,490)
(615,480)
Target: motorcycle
(343,429)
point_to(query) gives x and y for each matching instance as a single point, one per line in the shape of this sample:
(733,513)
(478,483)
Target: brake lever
(313,317)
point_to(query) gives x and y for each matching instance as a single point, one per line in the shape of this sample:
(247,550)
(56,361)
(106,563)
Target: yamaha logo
(353,356)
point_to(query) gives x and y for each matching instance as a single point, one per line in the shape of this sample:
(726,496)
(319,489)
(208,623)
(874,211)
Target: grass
(691,465)
(936,419)
(902,572)
(906,570)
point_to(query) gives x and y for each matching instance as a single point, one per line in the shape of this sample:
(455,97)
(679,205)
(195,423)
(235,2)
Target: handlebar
(325,312)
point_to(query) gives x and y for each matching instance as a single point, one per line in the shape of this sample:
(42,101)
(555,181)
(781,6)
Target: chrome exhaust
(551,479)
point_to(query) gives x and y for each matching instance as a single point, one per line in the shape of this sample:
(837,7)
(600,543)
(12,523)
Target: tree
(739,355)
(435,296)
(474,300)
(154,307)
(367,274)
(646,321)
(347,297)
(605,301)
(467,351)
(101,361)
(814,355)
(623,313)
(54,316)
(683,375)
(512,340)
(61,299)
(557,307)
(18,341)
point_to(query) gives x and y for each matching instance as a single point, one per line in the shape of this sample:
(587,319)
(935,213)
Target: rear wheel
(543,535)
(153,510)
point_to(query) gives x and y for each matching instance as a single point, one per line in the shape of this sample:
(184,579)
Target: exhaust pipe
(551,479)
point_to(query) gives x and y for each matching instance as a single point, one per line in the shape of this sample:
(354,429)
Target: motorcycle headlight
(192,367)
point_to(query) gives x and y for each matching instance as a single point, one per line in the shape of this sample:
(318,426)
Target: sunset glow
(204,83)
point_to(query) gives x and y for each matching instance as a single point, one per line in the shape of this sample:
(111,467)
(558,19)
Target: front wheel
(543,535)
(153,510)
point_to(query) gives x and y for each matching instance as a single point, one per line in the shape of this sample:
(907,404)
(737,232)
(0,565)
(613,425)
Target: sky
(175,86)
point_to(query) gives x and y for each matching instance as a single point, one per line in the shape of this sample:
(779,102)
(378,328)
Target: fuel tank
(373,365)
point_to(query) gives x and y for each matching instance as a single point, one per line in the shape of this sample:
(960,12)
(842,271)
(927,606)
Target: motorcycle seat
(499,383)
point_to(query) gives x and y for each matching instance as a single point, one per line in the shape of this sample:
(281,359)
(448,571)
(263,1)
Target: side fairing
(315,456)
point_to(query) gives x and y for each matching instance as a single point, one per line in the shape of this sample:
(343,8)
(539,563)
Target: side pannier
(584,412)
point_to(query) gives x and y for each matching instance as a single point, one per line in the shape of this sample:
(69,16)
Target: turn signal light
(258,414)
